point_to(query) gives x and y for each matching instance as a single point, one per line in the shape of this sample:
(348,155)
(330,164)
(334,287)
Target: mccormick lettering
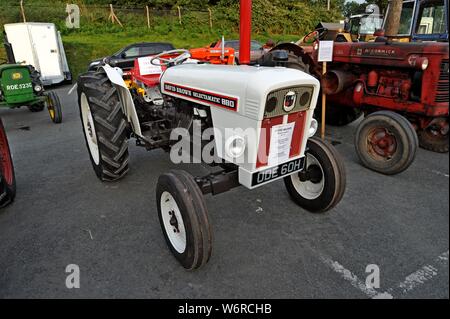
(203,96)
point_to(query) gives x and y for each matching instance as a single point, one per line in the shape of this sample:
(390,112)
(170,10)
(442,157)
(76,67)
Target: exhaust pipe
(245,30)
(336,81)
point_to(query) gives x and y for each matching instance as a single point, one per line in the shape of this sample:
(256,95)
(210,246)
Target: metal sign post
(325,55)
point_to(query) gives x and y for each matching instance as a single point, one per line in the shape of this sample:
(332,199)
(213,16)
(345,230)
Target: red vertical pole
(245,31)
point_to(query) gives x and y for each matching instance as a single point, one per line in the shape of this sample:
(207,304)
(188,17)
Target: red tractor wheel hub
(382,143)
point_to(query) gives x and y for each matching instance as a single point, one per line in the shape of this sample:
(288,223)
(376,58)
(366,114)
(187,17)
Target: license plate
(278,171)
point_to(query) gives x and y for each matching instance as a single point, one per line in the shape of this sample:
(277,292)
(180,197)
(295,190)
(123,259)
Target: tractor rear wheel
(386,142)
(184,220)
(7,177)
(321,185)
(435,137)
(104,125)
(296,62)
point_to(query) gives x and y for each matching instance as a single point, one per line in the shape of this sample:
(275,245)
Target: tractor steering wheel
(180,56)
(315,35)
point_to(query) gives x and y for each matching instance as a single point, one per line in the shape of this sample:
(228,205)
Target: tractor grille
(442,86)
(303,96)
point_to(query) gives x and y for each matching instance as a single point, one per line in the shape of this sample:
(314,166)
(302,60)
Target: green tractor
(21,85)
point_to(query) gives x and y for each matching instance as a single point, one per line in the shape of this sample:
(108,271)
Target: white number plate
(278,171)
(21,86)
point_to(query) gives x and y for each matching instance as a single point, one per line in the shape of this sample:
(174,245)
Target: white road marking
(440,173)
(72,89)
(354,280)
(422,275)
(90,234)
(411,281)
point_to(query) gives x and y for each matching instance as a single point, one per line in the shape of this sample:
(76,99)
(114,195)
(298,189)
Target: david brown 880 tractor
(21,85)
(262,125)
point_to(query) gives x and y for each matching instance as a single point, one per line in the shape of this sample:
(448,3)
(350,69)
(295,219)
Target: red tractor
(7,177)
(402,88)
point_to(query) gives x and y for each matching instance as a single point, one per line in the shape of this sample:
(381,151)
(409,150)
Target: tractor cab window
(432,18)
(369,24)
(354,25)
(406,18)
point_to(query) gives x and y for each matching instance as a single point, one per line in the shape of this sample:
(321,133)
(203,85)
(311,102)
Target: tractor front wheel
(184,219)
(322,184)
(386,142)
(104,125)
(54,107)
(435,136)
(7,177)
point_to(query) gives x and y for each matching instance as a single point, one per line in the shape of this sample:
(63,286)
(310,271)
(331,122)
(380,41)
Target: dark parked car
(124,59)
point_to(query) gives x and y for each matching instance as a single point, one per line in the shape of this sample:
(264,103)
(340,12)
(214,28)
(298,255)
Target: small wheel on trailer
(435,136)
(7,177)
(321,185)
(104,125)
(54,107)
(386,142)
(184,219)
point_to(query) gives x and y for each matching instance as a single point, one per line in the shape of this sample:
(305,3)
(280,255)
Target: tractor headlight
(235,146)
(313,128)
(424,64)
(38,88)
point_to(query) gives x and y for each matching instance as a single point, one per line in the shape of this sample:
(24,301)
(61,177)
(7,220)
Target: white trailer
(40,45)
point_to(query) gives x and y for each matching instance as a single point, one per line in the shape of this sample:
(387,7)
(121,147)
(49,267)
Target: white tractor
(252,124)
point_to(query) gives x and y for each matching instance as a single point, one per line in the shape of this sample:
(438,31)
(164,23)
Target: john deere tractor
(20,85)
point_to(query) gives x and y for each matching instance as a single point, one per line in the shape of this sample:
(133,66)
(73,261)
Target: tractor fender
(115,76)
(297,50)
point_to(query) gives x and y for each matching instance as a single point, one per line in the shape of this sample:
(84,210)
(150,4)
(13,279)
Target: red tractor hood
(395,54)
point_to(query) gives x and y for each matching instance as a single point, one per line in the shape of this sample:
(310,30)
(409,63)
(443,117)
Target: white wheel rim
(169,210)
(308,189)
(89,129)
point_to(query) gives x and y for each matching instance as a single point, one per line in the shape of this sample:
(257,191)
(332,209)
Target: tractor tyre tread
(110,124)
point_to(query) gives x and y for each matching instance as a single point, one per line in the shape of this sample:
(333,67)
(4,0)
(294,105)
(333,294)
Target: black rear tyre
(435,138)
(104,125)
(322,185)
(293,62)
(184,220)
(7,176)
(386,142)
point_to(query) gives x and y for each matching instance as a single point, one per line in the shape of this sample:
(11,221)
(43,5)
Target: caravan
(40,45)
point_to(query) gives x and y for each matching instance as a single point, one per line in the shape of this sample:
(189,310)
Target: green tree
(353,7)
